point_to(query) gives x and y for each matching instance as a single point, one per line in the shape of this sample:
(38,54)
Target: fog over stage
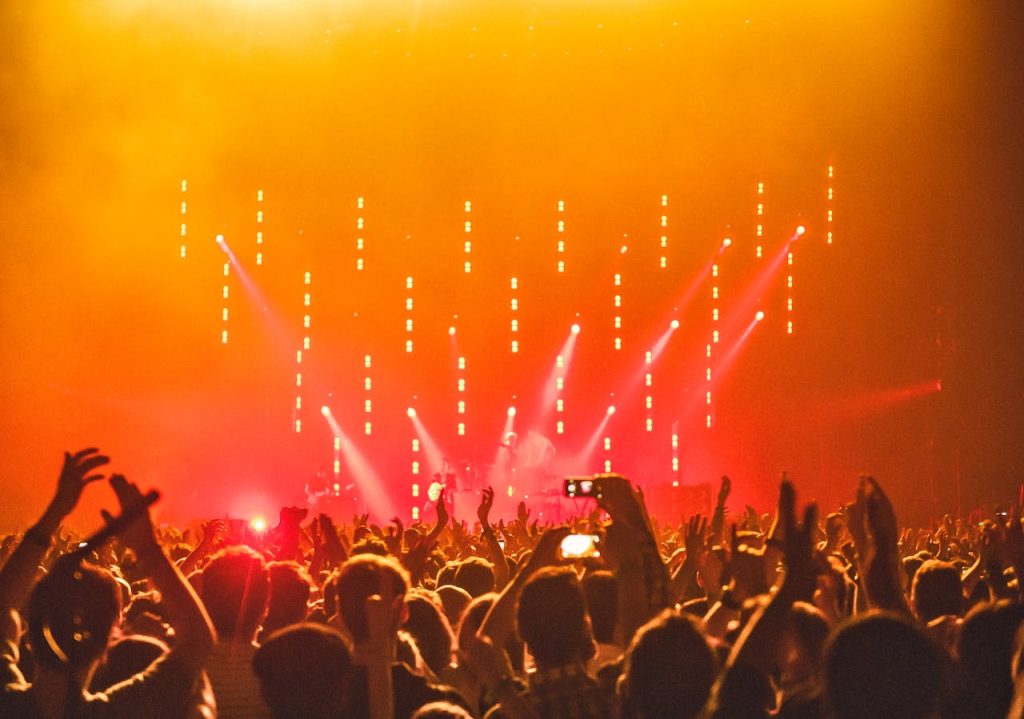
(417,202)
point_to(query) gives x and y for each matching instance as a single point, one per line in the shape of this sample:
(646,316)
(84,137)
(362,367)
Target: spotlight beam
(584,456)
(551,384)
(362,472)
(282,342)
(431,450)
(727,360)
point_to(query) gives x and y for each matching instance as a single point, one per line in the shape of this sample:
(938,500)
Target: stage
(261,247)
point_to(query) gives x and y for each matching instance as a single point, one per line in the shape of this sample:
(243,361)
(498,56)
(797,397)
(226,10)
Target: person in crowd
(766,616)
(234,586)
(358,579)
(288,600)
(73,609)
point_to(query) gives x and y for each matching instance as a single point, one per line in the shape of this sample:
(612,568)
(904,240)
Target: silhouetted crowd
(783,614)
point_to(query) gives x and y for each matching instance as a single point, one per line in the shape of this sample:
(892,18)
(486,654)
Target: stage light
(411,412)
(800,229)
(726,243)
(611,409)
(575,329)
(451,331)
(511,411)
(220,240)
(674,324)
(759,316)
(325,411)
(258,524)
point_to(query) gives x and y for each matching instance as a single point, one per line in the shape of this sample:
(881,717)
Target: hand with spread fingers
(78,472)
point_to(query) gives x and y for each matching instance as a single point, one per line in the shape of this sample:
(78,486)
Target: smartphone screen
(578,546)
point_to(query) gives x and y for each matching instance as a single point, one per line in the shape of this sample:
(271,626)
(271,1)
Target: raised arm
(881,563)
(500,620)
(491,539)
(718,519)
(18,576)
(760,643)
(194,635)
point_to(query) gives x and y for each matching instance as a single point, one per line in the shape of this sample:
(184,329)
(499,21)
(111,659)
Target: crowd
(782,614)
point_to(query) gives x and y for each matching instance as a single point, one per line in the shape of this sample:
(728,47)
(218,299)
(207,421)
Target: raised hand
(333,550)
(693,539)
(546,551)
(213,532)
(76,473)
(798,546)
(522,513)
(620,501)
(881,516)
(442,510)
(138,535)
(484,510)
(724,490)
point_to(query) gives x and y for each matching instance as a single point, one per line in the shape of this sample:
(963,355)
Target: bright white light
(611,409)
(258,524)
(726,242)
(575,329)
(759,316)
(411,412)
(800,229)
(451,331)
(674,324)
(325,411)
(220,240)
(511,411)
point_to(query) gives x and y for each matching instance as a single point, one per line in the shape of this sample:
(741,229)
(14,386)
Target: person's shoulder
(165,688)
(16,701)
(412,686)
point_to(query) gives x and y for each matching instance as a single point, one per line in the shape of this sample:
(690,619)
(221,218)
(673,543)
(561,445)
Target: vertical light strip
(716,316)
(829,197)
(559,396)
(415,469)
(649,401)
(675,453)
(337,464)
(408,313)
(368,394)
(259,227)
(789,291)
(460,426)
(617,301)
(663,259)
(306,282)
(467,245)
(759,225)
(360,239)
(514,322)
(514,308)
(183,250)
(225,295)
(560,246)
